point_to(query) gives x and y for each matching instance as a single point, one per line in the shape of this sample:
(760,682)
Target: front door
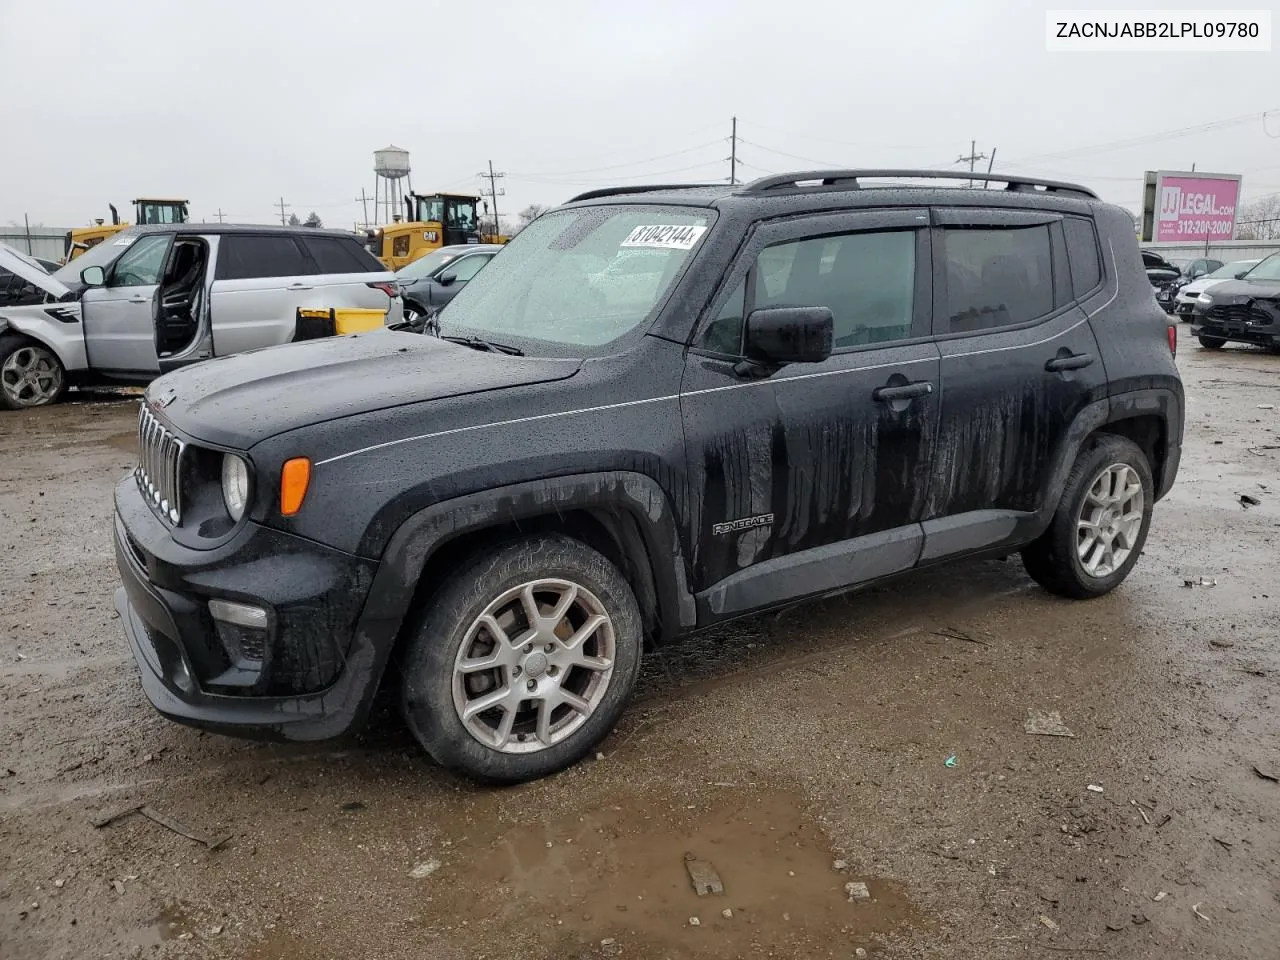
(814,477)
(119,337)
(1019,362)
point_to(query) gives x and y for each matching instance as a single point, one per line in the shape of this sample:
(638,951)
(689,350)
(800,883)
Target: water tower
(391,164)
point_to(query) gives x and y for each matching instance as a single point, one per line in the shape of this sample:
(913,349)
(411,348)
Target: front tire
(523,661)
(1101,523)
(1212,343)
(31,375)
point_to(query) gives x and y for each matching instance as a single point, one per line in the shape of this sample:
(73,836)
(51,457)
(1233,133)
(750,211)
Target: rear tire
(31,375)
(556,683)
(1107,498)
(1212,343)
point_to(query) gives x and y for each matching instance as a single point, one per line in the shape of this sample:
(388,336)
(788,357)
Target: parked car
(1191,271)
(153,298)
(1159,270)
(1184,305)
(825,383)
(430,282)
(1244,310)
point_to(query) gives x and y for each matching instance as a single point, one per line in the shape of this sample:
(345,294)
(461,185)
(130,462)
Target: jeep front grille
(159,470)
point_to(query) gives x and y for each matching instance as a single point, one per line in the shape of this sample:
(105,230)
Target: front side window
(580,277)
(1268,269)
(461,214)
(140,265)
(997,277)
(466,268)
(867,280)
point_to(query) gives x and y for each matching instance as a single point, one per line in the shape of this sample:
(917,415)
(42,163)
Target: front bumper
(1261,334)
(311,674)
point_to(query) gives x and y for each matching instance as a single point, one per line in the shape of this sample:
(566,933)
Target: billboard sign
(1190,206)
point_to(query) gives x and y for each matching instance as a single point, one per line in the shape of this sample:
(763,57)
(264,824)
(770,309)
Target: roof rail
(641,188)
(850,178)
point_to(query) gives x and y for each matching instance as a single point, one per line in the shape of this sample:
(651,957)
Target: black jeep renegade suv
(657,409)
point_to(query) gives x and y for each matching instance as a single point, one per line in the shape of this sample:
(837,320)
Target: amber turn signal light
(295,476)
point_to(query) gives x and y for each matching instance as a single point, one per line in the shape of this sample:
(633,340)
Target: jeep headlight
(1204,298)
(235,485)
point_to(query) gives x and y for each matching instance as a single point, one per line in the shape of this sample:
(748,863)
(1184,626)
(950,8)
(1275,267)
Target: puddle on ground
(172,923)
(619,875)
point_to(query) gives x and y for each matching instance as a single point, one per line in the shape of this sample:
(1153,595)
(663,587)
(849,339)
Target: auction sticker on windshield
(664,237)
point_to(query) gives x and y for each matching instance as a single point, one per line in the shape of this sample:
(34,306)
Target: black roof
(216,228)
(857,187)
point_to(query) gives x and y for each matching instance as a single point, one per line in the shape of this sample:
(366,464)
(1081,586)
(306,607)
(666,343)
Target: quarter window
(997,277)
(1082,252)
(337,255)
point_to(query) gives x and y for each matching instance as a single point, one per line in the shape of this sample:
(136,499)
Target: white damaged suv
(155,298)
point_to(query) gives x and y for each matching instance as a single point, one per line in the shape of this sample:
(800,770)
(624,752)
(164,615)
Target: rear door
(814,477)
(1019,362)
(346,275)
(119,337)
(260,279)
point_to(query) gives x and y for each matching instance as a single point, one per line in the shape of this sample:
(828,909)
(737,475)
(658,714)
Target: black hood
(240,400)
(1239,291)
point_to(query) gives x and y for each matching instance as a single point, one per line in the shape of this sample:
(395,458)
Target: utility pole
(972,158)
(494,193)
(27,222)
(283,206)
(364,203)
(990,163)
(220,215)
(733,153)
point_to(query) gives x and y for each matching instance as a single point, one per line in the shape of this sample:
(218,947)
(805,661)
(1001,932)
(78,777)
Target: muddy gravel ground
(795,753)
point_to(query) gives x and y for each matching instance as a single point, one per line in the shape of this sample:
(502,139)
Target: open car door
(180,307)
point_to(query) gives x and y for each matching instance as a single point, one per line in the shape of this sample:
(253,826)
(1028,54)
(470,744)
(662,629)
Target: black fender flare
(1099,414)
(653,540)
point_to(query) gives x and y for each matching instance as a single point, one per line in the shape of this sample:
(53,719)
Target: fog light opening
(239,614)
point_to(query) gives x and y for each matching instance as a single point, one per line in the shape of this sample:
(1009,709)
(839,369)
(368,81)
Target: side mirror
(1241,274)
(93,276)
(447,279)
(790,334)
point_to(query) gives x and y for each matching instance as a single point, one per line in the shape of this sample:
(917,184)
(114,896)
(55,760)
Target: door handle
(299,286)
(136,299)
(908,391)
(1077,361)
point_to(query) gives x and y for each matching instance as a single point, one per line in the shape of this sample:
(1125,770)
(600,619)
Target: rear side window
(339,255)
(1082,253)
(997,277)
(251,256)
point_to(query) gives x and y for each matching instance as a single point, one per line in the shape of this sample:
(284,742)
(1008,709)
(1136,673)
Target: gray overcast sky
(232,104)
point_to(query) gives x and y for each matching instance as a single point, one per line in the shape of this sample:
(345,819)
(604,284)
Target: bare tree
(1259,220)
(532,212)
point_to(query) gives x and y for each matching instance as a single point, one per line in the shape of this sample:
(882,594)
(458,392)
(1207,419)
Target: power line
(840,143)
(618,166)
(618,179)
(1147,138)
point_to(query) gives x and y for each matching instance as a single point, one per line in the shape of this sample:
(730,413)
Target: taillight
(1173,339)
(390,289)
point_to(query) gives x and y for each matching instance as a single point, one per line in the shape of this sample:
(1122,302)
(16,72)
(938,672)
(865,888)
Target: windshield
(1228,271)
(100,255)
(425,266)
(581,277)
(1268,269)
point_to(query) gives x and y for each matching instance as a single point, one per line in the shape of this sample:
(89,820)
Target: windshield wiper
(475,343)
